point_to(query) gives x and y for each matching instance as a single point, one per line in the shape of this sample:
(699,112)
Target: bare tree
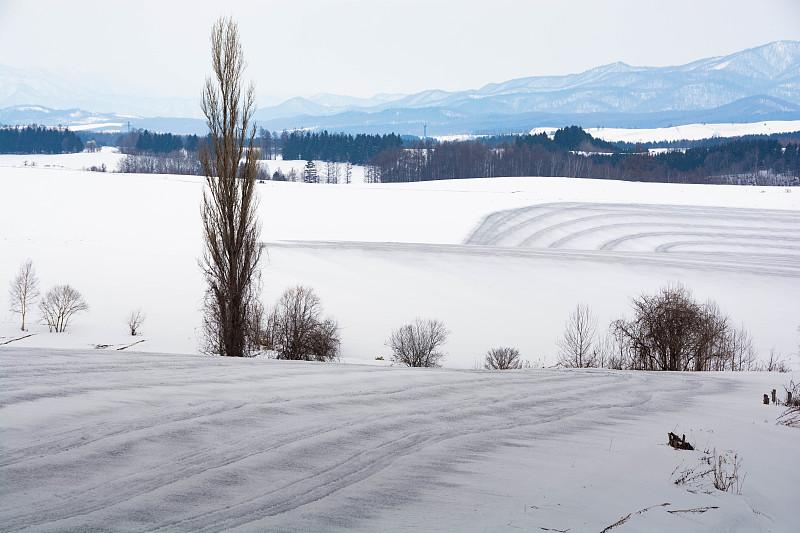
(577,349)
(416,344)
(502,359)
(296,329)
(670,331)
(230,224)
(24,290)
(775,363)
(58,306)
(135,320)
(332,172)
(348,172)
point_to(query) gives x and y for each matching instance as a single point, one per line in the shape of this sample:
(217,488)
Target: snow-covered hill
(121,441)
(158,437)
(380,255)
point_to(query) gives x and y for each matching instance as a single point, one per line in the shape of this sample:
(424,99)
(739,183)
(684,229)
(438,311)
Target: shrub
(416,344)
(671,331)
(502,359)
(59,305)
(135,320)
(296,330)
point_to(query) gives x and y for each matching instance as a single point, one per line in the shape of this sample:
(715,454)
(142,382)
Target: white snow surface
(686,132)
(157,437)
(127,441)
(381,255)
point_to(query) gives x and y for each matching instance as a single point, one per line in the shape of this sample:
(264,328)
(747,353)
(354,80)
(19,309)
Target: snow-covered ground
(93,438)
(686,132)
(124,441)
(381,255)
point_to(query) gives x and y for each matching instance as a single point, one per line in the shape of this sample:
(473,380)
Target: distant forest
(39,140)
(336,147)
(574,153)
(571,152)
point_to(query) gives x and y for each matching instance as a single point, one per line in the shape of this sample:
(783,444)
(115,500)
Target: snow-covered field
(99,441)
(92,438)
(686,132)
(381,255)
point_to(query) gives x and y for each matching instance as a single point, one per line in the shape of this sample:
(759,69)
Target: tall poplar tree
(231,229)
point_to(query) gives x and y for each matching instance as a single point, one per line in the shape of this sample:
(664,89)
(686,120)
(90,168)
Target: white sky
(361,48)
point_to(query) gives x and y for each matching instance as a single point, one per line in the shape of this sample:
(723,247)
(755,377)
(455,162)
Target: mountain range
(753,85)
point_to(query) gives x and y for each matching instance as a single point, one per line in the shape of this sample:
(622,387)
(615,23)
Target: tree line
(144,142)
(669,331)
(39,140)
(574,153)
(338,147)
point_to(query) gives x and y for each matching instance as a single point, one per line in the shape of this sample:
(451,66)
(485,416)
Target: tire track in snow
(768,264)
(587,226)
(309,438)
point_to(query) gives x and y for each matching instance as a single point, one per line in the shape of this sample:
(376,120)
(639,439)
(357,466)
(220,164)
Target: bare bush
(296,329)
(502,359)
(229,214)
(416,344)
(178,162)
(791,417)
(135,320)
(24,290)
(59,305)
(727,475)
(775,363)
(670,331)
(578,347)
(722,472)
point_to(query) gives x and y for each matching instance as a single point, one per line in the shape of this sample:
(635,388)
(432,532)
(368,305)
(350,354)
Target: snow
(96,126)
(122,441)
(80,161)
(380,255)
(694,131)
(157,437)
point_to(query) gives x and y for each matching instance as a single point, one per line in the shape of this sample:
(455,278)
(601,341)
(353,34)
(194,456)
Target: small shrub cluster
(720,471)
(296,330)
(669,331)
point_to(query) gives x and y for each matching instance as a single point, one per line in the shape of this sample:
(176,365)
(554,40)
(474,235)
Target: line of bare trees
(761,162)
(669,330)
(180,162)
(57,306)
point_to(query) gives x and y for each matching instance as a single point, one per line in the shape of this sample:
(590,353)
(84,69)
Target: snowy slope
(98,441)
(690,131)
(380,255)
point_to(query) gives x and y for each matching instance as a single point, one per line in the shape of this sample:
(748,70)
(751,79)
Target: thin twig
(128,346)
(696,510)
(625,518)
(19,339)
(617,523)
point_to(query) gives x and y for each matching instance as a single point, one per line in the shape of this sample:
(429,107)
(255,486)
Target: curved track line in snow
(653,228)
(198,444)
(766,263)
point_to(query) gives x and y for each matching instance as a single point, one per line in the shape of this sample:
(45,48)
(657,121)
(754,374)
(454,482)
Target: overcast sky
(361,48)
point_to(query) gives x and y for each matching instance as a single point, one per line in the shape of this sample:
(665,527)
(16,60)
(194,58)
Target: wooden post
(766,399)
(788,397)
(774,398)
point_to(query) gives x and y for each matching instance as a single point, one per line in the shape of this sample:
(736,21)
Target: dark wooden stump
(679,443)
(774,397)
(766,399)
